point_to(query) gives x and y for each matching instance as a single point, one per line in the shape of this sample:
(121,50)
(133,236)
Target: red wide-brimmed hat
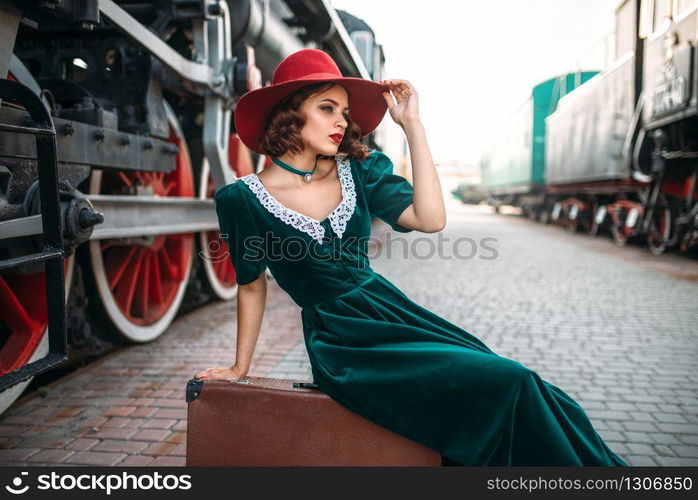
(366,103)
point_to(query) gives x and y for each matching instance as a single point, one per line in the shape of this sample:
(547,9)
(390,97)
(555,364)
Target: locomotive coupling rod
(133,216)
(126,216)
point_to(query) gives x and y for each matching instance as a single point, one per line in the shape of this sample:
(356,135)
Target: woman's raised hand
(405,109)
(222,373)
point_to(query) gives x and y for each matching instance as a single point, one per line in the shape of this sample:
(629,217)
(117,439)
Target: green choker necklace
(306,175)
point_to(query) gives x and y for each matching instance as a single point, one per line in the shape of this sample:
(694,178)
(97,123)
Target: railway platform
(615,328)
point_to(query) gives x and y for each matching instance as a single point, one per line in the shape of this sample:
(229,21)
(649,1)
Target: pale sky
(474,62)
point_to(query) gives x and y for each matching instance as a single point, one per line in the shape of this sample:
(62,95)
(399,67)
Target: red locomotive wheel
(624,215)
(594,226)
(662,227)
(619,236)
(141,280)
(219,270)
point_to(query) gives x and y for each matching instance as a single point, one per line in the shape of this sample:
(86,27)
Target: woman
(372,349)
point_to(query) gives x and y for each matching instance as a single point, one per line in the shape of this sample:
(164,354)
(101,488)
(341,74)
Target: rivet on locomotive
(138,98)
(615,150)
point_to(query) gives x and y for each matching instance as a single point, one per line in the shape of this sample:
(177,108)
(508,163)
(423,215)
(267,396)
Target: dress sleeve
(238,229)
(388,194)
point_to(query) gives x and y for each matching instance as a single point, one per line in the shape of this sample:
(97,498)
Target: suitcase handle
(308,385)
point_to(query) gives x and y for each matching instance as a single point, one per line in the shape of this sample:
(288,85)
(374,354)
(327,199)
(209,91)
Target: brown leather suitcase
(273,422)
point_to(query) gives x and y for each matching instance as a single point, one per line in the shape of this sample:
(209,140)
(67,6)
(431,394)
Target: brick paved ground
(615,328)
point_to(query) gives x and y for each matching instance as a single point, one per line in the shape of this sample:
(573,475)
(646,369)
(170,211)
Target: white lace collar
(338,218)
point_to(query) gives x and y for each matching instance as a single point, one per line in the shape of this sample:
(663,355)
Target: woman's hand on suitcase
(222,373)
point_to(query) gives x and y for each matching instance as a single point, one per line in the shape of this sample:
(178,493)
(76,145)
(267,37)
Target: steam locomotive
(115,131)
(618,152)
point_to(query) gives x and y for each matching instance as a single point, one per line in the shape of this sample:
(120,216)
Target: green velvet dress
(385,357)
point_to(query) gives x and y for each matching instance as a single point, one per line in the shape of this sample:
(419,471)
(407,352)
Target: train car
(621,148)
(135,137)
(590,177)
(513,166)
(624,144)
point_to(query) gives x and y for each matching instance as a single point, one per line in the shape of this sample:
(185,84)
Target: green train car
(513,166)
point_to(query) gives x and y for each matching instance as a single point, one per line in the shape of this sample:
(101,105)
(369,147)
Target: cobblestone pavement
(614,328)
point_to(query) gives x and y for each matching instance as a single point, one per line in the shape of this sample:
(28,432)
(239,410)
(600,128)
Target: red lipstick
(337,138)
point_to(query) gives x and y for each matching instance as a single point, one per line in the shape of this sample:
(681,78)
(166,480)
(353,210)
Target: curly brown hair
(282,131)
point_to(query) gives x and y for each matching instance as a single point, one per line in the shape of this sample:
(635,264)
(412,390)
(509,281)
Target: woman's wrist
(412,124)
(242,367)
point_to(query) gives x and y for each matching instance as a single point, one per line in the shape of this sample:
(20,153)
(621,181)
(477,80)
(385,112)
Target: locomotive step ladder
(41,127)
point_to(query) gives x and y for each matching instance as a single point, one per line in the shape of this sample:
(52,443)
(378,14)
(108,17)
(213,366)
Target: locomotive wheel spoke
(125,292)
(124,178)
(156,286)
(16,316)
(116,264)
(169,265)
(146,283)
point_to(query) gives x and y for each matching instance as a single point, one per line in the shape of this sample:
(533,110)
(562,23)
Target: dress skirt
(390,360)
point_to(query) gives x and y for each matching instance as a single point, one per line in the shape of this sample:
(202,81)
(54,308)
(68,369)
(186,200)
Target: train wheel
(219,270)
(624,215)
(220,273)
(619,236)
(571,220)
(23,313)
(661,228)
(141,281)
(594,217)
